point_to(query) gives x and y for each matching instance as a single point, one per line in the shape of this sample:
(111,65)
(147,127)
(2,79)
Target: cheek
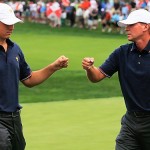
(137,31)
(2,33)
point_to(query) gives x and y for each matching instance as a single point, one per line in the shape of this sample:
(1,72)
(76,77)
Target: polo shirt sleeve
(111,64)
(25,71)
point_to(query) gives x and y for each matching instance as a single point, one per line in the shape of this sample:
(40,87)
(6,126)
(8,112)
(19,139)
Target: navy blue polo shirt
(13,68)
(133,69)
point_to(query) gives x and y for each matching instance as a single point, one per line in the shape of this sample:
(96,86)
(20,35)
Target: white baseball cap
(7,15)
(140,15)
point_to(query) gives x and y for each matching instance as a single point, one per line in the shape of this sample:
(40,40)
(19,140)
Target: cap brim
(11,21)
(126,22)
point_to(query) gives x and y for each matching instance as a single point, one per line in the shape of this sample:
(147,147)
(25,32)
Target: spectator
(71,14)
(93,18)
(105,21)
(53,13)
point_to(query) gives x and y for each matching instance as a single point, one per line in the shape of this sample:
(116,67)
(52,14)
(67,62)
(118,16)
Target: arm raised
(39,76)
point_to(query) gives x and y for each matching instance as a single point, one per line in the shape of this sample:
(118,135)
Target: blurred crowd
(78,13)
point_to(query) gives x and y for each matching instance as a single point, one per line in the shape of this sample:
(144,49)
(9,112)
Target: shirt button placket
(139,61)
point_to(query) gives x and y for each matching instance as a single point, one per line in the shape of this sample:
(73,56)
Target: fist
(61,62)
(87,63)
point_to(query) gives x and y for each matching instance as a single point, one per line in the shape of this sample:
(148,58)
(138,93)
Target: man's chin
(7,37)
(129,38)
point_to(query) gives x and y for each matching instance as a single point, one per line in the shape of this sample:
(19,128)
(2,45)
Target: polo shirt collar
(9,42)
(146,49)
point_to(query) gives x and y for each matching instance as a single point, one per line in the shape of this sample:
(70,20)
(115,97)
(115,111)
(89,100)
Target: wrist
(90,67)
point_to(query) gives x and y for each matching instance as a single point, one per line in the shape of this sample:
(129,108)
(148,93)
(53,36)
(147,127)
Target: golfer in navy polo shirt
(14,68)
(132,62)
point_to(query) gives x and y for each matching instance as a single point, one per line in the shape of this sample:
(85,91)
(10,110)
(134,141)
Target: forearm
(39,76)
(94,74)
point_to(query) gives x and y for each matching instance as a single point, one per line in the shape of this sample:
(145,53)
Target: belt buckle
(12,114)
(15,114)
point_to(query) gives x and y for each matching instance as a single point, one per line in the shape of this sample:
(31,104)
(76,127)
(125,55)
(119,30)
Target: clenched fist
(61,62)
(87,63)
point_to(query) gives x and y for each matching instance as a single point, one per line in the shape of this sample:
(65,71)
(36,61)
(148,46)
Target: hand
(61,62)
(87,63)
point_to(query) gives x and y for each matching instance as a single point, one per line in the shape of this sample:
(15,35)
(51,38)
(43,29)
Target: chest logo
(16,58)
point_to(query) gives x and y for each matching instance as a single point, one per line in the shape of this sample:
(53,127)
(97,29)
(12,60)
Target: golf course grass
(73,125)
